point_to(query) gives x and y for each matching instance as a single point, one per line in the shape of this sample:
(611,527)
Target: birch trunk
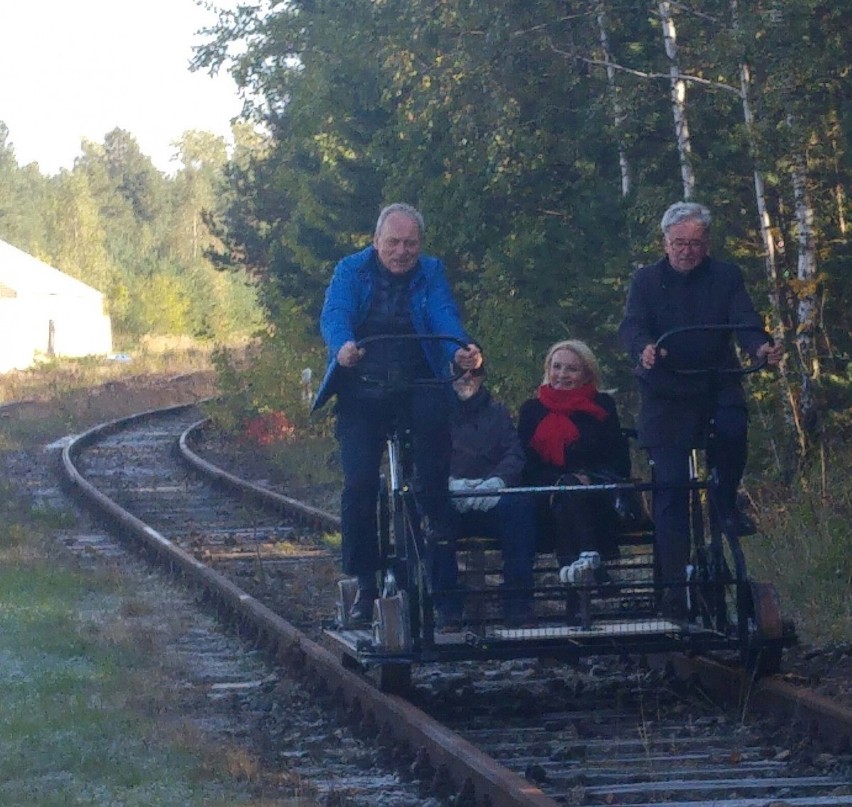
(808,309)
(678,93)
(618,113)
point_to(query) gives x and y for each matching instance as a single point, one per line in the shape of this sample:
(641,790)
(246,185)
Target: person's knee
(731,424)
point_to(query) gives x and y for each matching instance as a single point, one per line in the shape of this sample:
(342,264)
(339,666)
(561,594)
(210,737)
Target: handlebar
(739,370)
(402,377)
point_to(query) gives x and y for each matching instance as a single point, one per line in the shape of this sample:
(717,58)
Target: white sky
(74,69)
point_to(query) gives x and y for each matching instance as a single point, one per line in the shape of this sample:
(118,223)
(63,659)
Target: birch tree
(678,99)
(618,114)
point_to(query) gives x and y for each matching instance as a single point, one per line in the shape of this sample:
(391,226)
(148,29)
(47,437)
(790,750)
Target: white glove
(486,486)
(462,505)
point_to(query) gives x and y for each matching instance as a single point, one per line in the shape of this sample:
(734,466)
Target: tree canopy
(543,140)
(142,238)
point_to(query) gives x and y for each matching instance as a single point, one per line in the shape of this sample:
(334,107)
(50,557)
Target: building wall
(32,325)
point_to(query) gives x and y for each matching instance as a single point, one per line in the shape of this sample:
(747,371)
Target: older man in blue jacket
(389,288)
(685,288)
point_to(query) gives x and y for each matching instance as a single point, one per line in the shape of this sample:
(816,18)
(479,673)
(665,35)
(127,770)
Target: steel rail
(448,753)
(731,685)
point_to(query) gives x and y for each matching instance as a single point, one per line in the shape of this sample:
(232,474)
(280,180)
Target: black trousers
(362,429)
(727,451)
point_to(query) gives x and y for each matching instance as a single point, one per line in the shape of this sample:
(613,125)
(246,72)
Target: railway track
(614,732)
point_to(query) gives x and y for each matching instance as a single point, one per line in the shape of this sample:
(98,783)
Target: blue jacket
(347,303)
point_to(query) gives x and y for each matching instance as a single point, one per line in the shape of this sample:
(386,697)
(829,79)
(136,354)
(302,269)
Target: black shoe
(362,608)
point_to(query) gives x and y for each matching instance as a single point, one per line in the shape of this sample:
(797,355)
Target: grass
(84,696)
(805,548)
(92,711)
(56,378)
(64,397)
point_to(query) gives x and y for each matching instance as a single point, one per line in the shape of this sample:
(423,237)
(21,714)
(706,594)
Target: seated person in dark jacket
(572,436)
(688,287)
(487,456)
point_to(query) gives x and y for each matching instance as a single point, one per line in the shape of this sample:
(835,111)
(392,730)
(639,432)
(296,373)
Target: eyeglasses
(683,243)
(476,372)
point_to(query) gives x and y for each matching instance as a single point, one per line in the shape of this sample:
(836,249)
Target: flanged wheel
(762,655)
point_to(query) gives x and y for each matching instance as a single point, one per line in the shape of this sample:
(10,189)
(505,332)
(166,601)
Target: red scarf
(556,430)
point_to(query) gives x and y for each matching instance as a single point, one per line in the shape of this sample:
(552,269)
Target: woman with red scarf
(572,436)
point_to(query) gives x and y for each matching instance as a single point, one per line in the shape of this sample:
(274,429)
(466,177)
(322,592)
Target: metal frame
(729,613)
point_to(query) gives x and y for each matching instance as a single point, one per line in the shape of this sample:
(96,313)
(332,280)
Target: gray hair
(685,211)
(406,210)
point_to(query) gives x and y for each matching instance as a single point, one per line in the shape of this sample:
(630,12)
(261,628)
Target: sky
(75,69)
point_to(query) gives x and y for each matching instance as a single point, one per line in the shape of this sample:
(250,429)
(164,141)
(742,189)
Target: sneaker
(362,607)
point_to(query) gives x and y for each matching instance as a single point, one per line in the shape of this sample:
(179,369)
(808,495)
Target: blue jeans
(362,430)
(727,452)
(513,522)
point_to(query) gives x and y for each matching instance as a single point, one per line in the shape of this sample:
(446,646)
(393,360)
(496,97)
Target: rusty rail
(449,754)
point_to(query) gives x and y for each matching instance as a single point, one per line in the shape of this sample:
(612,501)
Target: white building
(45,313)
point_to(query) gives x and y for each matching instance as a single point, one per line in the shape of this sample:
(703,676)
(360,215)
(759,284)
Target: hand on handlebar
(463,505)
(773,353)
(648,357)
(468,358)
(349,354)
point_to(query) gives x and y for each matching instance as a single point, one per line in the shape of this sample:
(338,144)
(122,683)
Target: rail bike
(586,608)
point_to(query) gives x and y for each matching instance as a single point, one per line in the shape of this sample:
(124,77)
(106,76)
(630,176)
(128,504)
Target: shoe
(362,607)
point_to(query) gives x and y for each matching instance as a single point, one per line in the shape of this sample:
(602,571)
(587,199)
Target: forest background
(542,140)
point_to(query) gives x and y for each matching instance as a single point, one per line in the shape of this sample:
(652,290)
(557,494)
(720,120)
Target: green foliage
(270,380)
(803,546)
(498,120)
(140,237)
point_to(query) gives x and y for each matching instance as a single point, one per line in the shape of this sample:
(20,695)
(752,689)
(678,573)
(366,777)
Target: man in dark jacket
(389,288)
(678,412)
(487,456)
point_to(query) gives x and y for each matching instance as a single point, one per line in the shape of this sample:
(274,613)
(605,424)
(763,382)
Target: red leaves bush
(268,428)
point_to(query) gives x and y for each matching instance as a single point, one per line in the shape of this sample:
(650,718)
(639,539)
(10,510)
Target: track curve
(661,739)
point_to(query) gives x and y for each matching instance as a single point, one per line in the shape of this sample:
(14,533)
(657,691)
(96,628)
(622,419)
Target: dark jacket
(347,303)
(601,447)
(675,409)
(485,442)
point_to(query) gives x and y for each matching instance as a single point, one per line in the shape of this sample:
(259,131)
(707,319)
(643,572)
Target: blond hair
(583,351)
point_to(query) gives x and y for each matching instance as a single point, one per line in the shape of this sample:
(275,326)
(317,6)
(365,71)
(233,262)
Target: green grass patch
(81,720)
(805,549)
